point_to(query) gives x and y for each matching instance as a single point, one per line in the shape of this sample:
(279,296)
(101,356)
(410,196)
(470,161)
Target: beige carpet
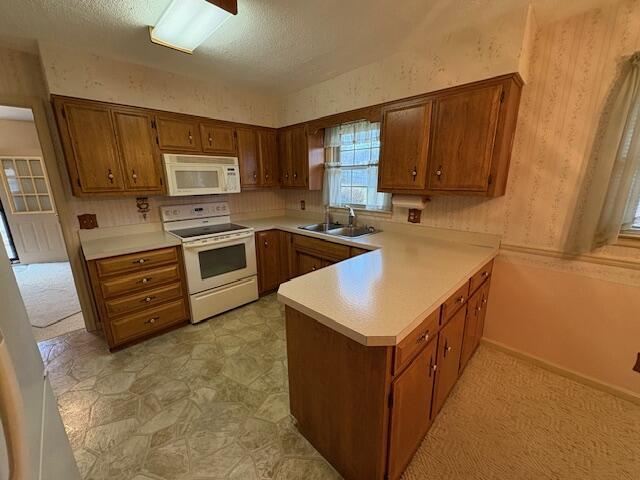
(507,419)
(67,325)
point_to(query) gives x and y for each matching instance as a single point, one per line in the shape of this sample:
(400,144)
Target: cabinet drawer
(141,280)
(454,302)
(144,299)
(148,321)
(333,251)
(479,278)
(135,261)
(413,342)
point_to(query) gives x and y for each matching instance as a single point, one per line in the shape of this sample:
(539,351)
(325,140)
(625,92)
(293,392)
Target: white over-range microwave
(200,174)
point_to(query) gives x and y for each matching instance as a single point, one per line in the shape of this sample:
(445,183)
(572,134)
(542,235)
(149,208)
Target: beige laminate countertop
(378,298)
(110,246)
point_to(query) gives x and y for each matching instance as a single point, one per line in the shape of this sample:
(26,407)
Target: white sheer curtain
(613,193)
(351,166)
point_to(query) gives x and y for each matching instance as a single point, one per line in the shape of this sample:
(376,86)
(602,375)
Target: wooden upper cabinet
(218,139)
(404,146)
(138,150)
(411,407)
(89,142)
(248,157)
(268,158)
(301,156)
(464,132)
(178,133)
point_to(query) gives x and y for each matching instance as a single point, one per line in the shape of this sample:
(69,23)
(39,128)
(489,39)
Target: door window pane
(222,260)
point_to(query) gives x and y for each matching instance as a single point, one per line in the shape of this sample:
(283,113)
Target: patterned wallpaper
(573,66)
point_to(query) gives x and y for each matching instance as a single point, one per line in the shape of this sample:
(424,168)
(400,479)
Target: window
(26,185)
(352,154)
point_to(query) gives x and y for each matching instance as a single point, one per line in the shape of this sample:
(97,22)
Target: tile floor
(207,401)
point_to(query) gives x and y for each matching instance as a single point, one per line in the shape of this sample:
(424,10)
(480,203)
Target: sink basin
(321,227)
(355,231)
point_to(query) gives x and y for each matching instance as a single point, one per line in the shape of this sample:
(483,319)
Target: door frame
(7,227)
(53,159)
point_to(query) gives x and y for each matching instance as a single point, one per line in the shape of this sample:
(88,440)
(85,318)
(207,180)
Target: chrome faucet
(352,215)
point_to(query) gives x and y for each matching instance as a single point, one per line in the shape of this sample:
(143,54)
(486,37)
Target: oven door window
(195,179)
(222,260)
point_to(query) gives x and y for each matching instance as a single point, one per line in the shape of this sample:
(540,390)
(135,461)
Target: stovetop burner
(207,230)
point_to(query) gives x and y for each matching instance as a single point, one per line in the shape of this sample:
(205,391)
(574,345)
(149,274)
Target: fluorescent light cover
(186,24)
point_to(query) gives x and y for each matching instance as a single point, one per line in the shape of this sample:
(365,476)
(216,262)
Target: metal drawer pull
(255,175)
(148,299)
(439,171)
(414,172)
(141,260)
(134,175)
(210,139)
(484,301)
(266,176)
(145,280)
(190,136)
(460,299)
(423,337)
(432,366)
(110,176)
(313,268)
(151,321)
(485,274)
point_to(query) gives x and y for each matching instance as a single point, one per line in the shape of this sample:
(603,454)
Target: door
(218,140)
(306,263)
(248,157)
(212,263)
(449,346)
(31,393)
(138,150)
(268,253)
(268,158)
(299,157)
(93,143)
(31,217)
(176,133)
(284,157)
(469,341)
(412,392)
(464,131)
(405,147)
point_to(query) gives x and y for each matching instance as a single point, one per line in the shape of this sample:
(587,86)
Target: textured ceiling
(274,46)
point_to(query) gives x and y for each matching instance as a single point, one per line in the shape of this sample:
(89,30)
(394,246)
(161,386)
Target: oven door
(212,263)
(195,179)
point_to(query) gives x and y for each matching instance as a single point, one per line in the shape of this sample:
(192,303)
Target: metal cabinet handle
(190,136)
(447,348)
(145,280)
(295,175)
(414,172)
(210,140)
(286,175)
(313,268)
(152,320)
(423,337)
(110,176)
(432,366)
(134,175)
(484,301)
(485,274)
(266,243)
(140,261)
(148,299)
(255,175)
(460,299)
(439,171)
(266,176)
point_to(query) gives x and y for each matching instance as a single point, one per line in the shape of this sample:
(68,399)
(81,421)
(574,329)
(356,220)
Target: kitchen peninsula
(376,342)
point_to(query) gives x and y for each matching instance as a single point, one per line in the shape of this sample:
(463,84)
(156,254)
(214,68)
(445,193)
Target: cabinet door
(285,157)
(93,148)
(410,412)
(299,157)
(248,157)
(268,158)
(176,133)
(140,157)
(306,263)
(268,250)
(218,139)
(464,131)
(482,312)
(405,147)
(469,341)
(449,346)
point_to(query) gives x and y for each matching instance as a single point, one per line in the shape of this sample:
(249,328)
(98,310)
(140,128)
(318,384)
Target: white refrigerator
(33,443)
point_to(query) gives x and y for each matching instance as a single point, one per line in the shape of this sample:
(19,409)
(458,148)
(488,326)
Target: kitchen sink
(354,231)
(321,227)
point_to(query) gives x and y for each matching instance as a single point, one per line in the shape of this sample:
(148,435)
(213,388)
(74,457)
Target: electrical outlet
(303,205)
(636,367)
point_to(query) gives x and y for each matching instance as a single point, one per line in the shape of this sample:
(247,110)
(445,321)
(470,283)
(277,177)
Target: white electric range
(219,257)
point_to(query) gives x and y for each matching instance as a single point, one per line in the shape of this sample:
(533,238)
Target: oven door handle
(210,243)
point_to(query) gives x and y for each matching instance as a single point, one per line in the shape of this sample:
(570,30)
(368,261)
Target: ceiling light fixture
(186,24)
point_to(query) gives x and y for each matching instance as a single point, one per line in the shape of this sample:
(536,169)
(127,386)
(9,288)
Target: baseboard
(570,374)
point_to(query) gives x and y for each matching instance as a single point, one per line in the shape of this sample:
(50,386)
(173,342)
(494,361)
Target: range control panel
(197,210)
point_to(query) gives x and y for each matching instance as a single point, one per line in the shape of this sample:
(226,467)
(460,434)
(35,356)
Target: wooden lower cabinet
(367,409)
(139,295)
(311,254)
(268,256)
(411,395)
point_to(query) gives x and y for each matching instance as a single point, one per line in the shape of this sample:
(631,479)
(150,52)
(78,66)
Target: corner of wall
(530,32)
